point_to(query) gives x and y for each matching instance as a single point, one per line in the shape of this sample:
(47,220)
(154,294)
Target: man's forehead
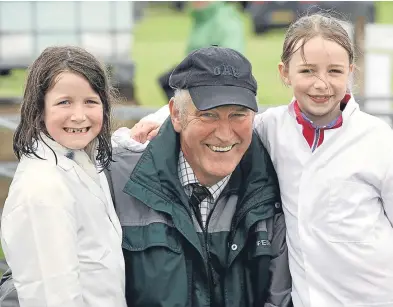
(234,107)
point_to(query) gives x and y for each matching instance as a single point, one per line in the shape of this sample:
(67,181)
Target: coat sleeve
(261,128)
(383,157)
(39,240)
(281,283)
(8,295)
(387,192)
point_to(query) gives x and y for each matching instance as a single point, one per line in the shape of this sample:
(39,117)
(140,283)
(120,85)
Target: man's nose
(224,130)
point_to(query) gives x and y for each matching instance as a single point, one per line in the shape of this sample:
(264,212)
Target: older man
(200,207)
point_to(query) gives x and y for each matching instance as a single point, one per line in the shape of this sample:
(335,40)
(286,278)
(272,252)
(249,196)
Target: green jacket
(217,24)
(240,261)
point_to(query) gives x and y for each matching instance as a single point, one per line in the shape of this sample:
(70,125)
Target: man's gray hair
(182,99)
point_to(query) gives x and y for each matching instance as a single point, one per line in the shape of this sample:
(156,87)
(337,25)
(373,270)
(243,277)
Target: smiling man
(200,207)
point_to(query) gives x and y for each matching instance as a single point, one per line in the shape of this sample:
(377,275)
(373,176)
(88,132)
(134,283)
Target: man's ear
(283,70)
(175,116)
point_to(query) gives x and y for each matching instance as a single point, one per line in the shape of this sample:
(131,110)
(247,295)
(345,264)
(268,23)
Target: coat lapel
(80,165)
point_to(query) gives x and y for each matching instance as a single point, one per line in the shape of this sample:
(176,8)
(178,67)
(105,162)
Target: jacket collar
(348,106)
(157,167)
(68,160)
(155,182)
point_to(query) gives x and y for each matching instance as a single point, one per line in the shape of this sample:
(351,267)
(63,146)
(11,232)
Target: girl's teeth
(321,98)
(71,130)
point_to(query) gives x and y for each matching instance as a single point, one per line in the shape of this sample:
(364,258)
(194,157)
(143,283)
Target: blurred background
(142,41)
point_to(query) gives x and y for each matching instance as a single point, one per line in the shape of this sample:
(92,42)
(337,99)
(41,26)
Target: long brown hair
(42,73)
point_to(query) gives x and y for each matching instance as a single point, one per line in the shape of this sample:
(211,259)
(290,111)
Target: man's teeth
(220,149)
(73,130)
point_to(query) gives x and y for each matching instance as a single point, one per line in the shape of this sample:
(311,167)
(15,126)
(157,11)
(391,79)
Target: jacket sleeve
(8,295)
(121,137)
(260,127)
(39,240)
(281,283)
(387,193)
(385,157)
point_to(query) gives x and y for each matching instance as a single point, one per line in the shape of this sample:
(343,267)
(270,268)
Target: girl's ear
(283,70)
(351,68)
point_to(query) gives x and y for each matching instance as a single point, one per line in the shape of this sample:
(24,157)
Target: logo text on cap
(226,70)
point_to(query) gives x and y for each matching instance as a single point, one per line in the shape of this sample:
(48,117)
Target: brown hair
(42,73)
(310,26)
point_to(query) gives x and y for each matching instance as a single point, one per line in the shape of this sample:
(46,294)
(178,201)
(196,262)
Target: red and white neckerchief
(313,134)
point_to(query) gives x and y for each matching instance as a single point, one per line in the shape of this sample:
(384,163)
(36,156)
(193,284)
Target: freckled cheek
(54,120)
(96,117)
(100,121)
(341,84)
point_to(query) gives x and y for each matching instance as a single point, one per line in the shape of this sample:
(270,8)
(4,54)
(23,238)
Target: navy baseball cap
(216,76)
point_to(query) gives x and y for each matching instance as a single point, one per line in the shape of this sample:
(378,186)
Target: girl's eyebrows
(313,65)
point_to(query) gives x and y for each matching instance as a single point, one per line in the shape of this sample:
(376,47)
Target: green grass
(157,51)
(384,12)
(159,43)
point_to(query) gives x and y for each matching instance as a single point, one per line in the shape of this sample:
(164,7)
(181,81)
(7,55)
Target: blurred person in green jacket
(214,23)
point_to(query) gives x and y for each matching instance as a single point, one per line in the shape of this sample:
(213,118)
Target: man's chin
(221,171)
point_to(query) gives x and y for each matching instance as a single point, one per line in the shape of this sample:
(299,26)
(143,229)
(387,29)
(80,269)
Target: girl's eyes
(63,102)
(310,71)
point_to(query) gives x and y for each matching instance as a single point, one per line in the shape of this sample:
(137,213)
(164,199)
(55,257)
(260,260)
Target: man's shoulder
(122,156)
(124,162)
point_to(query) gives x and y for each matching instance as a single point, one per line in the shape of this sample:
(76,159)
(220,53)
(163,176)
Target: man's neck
(204,179)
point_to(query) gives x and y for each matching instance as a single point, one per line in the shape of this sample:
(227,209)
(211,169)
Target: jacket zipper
(243,214)
(205,245)
(316,139)
(206,242)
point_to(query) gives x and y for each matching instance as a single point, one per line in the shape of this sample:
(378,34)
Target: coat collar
(157,170)
(68,160)
(350,107)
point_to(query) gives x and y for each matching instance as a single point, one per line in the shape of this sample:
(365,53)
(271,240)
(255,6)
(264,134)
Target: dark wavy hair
(41,76)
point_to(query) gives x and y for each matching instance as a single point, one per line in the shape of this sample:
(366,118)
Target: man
(227,247)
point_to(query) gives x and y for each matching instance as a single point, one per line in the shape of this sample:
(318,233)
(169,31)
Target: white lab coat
(338,205)
(60,234)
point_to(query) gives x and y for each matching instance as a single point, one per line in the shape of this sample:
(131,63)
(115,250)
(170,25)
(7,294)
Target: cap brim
(209,97)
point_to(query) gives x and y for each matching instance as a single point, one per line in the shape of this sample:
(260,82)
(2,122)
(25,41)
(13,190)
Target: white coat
(338,205)
(60,234)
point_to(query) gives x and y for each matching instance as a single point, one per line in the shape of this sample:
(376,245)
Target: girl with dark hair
(60,233)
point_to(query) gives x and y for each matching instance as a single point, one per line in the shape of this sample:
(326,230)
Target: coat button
(234,247)
(277,205)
